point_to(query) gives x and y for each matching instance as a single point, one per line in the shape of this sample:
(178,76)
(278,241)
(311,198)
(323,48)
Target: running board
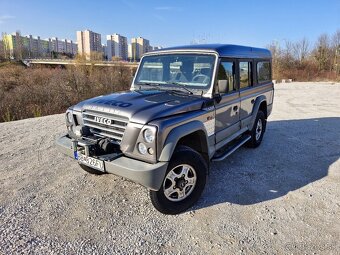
(232,149)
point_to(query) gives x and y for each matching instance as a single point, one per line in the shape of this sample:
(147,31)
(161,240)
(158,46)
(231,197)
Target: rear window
(263,72)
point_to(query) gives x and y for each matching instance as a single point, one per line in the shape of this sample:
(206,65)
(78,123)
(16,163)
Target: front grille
(105,124)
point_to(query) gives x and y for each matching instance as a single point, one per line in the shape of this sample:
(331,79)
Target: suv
(187,106)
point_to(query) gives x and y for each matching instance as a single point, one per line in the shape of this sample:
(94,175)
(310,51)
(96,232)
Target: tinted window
(226,73)
(245,74)
(263,72)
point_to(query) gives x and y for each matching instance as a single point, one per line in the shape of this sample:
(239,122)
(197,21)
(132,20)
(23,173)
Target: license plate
(91,162)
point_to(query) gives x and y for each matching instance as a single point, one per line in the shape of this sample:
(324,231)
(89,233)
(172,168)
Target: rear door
(246,85)
(254,81)
(227,110)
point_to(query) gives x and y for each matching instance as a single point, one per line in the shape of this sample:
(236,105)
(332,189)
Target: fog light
(142,148)
(150,150)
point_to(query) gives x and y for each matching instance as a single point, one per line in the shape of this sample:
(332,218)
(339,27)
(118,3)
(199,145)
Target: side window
(245,75)
(226,77)
(263,72)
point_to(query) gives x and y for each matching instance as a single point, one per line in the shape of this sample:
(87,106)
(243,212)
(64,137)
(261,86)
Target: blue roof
(226,50)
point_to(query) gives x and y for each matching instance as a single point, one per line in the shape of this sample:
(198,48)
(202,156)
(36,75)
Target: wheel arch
(192,134)
(259,105)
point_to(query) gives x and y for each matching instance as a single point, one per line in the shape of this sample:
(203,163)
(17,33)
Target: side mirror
(222,86)
(217,98)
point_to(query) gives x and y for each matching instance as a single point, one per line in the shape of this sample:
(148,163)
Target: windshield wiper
(181,86)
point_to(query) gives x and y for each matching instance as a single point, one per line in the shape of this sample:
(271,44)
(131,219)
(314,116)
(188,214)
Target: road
(281,198)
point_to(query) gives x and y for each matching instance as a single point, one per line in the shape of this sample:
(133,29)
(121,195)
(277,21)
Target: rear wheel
(91,170)
(183,184)
(258,130)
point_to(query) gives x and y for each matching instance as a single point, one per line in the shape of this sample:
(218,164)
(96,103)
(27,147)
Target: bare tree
(275,50)
(287,54)
(336,51)
(322,52)
(301,50)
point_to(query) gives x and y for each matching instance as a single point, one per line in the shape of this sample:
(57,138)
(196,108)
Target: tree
(336,51)
(301,50)
(288,55)
(274,48)
(322,52)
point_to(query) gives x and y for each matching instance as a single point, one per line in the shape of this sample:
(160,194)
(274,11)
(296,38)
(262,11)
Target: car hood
(142,106)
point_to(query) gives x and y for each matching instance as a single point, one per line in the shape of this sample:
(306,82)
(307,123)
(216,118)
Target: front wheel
(183,184)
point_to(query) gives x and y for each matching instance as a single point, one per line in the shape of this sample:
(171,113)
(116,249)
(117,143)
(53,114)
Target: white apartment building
(117,46)
(139,46)
(130,51)
(88,43)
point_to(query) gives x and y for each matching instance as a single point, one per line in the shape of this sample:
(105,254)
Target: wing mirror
(222,88)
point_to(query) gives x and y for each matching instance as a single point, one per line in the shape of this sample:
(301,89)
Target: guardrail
(29,62)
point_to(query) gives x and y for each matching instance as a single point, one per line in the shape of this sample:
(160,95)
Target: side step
(232,149)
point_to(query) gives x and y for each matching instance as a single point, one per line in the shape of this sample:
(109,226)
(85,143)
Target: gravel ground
(281,198)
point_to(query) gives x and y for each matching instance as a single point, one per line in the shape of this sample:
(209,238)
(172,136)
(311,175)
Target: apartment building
(16,46)
(139,46)
(89,43)
(117,46)
(69,47)
(104,51)
(45,48)
(62,46)
(157,47)
(34,47)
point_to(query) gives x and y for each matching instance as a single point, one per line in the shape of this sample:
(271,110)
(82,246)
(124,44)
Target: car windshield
(191,72)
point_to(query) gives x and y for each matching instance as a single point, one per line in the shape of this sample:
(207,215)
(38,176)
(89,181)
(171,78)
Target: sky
(177,22)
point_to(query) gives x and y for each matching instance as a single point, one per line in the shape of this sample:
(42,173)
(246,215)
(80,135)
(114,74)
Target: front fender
(176,134)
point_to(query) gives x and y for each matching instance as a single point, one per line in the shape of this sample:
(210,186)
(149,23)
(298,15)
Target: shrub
(34,92)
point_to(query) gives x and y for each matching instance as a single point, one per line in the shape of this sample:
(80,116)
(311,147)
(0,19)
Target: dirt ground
(281,198)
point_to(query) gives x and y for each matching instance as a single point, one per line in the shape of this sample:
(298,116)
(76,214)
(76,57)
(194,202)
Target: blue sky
(175,22)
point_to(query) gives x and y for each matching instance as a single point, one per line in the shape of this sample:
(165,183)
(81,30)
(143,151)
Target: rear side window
(263,72)
(245,75)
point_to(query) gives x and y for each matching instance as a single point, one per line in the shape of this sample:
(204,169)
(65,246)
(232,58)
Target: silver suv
(187,106)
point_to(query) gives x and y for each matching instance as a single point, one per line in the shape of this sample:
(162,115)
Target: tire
(91,170)
(258,130)
(183,183)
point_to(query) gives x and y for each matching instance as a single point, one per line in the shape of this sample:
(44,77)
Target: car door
(246,85)
(227,110)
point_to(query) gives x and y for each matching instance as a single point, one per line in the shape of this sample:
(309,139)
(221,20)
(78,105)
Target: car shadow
(293,154)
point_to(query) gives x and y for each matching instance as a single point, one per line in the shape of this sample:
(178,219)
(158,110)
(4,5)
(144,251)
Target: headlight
(142,148)
(149,135)
(69,117)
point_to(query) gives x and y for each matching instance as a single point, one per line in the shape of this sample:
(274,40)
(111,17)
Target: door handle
(235,108)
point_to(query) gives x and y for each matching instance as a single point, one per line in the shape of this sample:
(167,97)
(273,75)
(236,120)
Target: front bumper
(146,174)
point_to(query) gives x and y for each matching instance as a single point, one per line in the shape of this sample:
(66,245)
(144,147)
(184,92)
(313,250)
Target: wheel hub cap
(179,182)
(258,129)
